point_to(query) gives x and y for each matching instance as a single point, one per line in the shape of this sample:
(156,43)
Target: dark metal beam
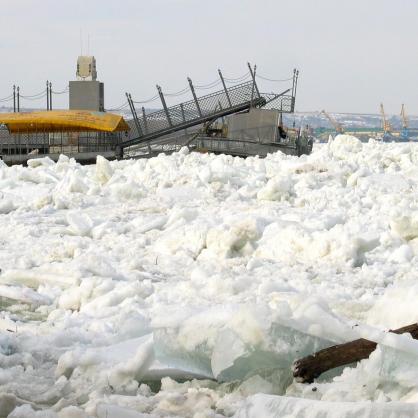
(134,114)
(194,96)
(253,77)
(183,115)
(229,111)
(144,116)
(226,90)
(296,87)
(167,113)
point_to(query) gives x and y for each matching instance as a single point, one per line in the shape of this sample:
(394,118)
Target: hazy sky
(352,54)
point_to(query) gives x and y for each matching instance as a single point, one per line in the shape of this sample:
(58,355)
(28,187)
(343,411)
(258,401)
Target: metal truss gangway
(201,110)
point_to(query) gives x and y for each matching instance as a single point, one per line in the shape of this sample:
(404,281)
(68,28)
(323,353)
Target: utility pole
(50,96)
(14,98)
(18,99)
(47,95)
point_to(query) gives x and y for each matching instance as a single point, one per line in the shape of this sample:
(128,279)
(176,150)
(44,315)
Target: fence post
(194,96)
(167,113)
(226,90)
(134,114)
(254,83)
(144,116)
(295,86)
(183,115)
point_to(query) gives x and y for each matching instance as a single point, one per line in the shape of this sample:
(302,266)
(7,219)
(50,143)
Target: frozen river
(186,285)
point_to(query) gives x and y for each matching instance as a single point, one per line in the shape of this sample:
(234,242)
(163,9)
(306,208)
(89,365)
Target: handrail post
(226,90)
(136,120)
(167,113)
(296,86)
(194,96)
(183,115)
(144,116)
(134,114)
(253,77)
(293,83)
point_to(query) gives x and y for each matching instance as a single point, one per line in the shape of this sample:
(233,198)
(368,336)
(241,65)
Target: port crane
(337,126)
(404,132)
(387,127)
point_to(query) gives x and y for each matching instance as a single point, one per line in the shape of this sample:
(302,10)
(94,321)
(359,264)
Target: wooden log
(309,368)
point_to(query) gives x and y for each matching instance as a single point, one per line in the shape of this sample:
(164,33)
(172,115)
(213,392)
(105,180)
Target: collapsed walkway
(163,127)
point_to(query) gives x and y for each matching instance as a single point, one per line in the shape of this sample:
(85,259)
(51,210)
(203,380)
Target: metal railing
(242,147)
(192,113)
(56,143)
(284,103)
(191,110)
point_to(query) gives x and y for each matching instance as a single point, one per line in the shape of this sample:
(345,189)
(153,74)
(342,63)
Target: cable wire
(273,80)
(146,101)
(209,85)
(119,107)
(34,96)
(178,93)
(62,91)
(243,77)
(6,99)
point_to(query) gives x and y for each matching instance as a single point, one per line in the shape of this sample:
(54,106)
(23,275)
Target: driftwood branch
(308,368)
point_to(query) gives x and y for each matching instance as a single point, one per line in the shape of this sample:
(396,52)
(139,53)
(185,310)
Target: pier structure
(237,120)
(81,134)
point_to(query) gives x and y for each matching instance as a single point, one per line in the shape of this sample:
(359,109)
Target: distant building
(86,93)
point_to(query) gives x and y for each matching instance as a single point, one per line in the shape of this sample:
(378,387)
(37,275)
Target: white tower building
(86,93)
(86,68)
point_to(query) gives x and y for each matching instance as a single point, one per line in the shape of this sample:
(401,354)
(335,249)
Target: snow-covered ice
(186,285)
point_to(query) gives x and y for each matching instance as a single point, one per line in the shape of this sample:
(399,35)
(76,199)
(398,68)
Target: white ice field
(186,285)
